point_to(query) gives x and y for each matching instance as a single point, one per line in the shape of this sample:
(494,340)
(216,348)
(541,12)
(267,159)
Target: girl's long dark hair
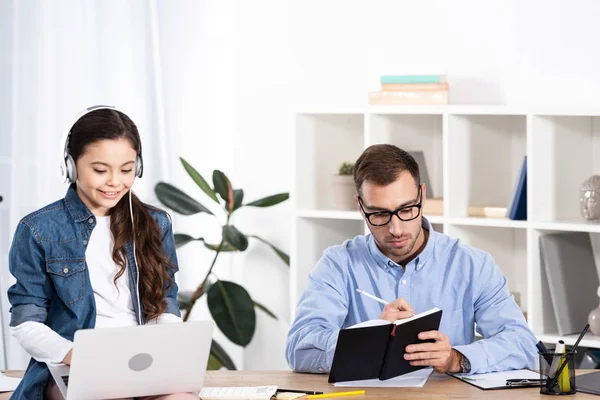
(153,264)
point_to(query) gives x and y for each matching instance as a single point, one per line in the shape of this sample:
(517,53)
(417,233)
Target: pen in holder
(557,372)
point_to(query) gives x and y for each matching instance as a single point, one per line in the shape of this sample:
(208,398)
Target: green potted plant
(343,186)
(230,305)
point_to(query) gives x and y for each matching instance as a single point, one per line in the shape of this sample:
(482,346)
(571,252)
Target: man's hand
(67,359)
(440,355)
(397,309)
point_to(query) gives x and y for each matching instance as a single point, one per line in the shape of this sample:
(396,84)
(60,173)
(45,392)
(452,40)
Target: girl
(99,257)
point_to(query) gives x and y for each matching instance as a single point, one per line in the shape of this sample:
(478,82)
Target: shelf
(571,226)
(588,340)
(492,222)
(329,214)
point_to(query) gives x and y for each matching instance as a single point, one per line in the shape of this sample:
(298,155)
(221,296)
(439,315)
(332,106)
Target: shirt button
(85,242)
(321,370)
(404,281)
(91,220)
(65,269)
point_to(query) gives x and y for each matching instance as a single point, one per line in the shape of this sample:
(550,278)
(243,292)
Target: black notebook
(375,349)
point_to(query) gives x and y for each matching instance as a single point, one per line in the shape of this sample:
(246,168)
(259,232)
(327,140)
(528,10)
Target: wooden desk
(437,386)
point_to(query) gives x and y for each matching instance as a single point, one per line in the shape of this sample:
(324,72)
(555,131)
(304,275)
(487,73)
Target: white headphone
(68,169)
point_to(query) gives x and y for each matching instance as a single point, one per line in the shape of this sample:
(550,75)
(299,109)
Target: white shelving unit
(473,156)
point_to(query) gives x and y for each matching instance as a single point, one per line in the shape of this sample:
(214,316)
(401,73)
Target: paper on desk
(8,384)
(497,379)
(412,379)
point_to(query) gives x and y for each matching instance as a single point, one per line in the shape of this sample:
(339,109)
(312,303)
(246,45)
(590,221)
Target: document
(497,380)
(8,384)
(412,379)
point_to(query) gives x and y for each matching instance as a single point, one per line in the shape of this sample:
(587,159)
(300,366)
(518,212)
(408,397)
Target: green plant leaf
(226,247)
(221,355)
(213,363)
(185,299)
(233,311)
(238,197)
(235,237)
(195,175)
(221,184)
(265,310)
(270,200)
(182,239)
(178,201)
(281,254)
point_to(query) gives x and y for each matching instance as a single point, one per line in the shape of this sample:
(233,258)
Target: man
(405,259)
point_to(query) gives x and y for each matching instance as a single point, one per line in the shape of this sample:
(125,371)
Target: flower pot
(344,192)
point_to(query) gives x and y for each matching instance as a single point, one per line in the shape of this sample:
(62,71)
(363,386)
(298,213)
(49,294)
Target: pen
(542,349)
(334,394)
(299,391)
(371,296)
(551,382)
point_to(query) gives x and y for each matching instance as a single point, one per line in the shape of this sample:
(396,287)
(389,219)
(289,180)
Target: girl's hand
(67,359)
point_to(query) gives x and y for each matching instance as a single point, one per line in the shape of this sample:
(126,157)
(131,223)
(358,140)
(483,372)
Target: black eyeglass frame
(396,212)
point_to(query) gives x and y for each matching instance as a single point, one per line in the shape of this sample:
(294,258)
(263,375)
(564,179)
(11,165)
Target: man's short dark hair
(381,164)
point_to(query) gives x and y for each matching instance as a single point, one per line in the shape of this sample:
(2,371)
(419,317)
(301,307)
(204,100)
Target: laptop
(109,363)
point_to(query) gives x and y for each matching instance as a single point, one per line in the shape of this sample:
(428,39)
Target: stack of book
(411,89)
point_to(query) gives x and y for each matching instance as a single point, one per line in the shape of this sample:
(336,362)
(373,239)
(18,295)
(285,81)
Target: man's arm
(508,342)
(321,312)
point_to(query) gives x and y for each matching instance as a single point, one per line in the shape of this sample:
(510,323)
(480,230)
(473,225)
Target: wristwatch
(465,364)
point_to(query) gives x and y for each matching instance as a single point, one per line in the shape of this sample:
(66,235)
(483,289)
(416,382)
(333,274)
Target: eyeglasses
(406,213)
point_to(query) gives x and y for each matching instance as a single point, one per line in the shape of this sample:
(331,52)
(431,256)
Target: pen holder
(550,364)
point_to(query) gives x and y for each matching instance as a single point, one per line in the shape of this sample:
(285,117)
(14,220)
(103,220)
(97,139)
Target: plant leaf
(221,184)
(213,363)
(270,200)
(233,311)
(182,239)
(221,355)
(236,238)
(281,254)
(226,247)
(199,180)
(178,201)
(185,299)
(265,310)
(238,197)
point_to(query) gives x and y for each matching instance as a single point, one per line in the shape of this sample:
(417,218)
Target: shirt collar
(384,261)
(79,212)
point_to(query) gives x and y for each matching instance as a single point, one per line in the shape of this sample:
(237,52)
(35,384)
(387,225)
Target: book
(384,79)
(489,212)
(419,157)
(568,260)
(413,87)
(433,206)
(517,209)
(413,97)
(375,349)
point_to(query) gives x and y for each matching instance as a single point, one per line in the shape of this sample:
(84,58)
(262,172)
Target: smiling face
(105,173)
(398,240)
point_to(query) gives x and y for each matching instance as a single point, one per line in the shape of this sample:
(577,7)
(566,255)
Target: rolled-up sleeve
(30,295)
(320,314)
(507,342)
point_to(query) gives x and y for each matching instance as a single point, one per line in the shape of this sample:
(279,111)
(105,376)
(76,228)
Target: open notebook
(375,349)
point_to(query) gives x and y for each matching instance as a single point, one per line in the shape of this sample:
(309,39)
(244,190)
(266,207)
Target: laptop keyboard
(66,380)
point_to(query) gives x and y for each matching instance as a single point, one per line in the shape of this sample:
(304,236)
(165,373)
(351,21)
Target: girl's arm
(41,342)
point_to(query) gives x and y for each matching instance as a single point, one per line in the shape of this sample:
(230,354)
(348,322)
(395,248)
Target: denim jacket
(47,257)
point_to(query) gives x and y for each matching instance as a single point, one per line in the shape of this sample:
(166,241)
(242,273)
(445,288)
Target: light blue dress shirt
(462,281)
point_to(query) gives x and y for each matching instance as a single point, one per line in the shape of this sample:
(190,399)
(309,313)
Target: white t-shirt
(114,305)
